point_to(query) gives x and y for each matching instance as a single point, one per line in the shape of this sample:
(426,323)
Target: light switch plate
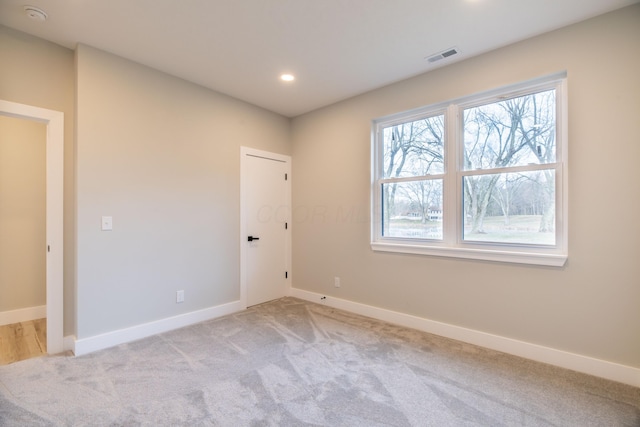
(107,223)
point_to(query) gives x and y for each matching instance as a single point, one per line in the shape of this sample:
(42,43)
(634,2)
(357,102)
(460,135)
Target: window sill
(496,255)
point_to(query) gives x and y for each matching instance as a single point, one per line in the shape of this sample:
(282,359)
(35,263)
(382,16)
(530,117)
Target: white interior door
(266,226)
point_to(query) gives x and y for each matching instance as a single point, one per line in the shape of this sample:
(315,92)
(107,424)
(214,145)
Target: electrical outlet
(336,282)
(179,296)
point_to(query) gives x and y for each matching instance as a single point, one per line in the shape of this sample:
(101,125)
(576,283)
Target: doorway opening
(54,121)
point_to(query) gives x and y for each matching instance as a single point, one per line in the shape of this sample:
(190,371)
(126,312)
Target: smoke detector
(35,13)
(442,55)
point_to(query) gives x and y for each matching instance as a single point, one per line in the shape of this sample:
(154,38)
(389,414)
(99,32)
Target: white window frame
(452,244)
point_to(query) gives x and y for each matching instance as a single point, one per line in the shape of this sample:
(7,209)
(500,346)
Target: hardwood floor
(24,340)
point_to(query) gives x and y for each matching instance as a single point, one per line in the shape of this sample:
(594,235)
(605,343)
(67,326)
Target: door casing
(54,120)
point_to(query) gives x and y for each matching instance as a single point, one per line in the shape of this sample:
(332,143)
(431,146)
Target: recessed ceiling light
(287,77)
(35,13)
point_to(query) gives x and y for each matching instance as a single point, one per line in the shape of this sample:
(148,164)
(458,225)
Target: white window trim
(452,244)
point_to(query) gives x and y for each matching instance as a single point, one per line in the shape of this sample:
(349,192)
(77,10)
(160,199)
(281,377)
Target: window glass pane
(414,148)
(510,208)
(412,209)
(513,132)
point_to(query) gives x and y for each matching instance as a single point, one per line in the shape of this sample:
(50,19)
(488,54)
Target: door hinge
(286,226)
(286,274)
(286,176)
(48,248)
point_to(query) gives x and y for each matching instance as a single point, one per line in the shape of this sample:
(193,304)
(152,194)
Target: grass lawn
(521,229)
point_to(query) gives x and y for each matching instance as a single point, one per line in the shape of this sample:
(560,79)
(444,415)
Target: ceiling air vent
(442,55)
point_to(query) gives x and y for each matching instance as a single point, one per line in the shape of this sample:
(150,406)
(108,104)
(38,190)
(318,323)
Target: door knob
(251,238)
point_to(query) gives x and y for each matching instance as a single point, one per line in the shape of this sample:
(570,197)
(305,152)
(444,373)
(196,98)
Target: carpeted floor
(294,363)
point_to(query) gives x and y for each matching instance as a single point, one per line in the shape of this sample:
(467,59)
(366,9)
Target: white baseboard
(122,336)
(23,315)
(576,362)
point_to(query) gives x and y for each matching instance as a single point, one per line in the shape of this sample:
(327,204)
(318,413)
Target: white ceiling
(335,48)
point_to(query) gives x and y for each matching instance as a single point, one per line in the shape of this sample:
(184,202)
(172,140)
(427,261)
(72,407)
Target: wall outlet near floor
(179,296)
(336,282)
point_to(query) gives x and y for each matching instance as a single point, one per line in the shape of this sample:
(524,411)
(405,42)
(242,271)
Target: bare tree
(396,151)
(516,131)
(539,137)
(503,195)
(425,195)
(411,149)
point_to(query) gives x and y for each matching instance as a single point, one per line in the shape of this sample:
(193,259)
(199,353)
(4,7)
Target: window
(482,177)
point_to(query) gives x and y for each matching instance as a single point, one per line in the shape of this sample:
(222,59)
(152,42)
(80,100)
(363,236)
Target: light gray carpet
(293,363)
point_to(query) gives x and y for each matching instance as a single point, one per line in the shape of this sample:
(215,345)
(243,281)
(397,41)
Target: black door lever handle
(251,238)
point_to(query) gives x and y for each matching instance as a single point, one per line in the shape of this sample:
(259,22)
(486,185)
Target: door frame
(54,120)
(244,152)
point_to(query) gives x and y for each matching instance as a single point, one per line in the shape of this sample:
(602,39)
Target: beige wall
(22,214)
(41,74)
(162,157)
(590,306)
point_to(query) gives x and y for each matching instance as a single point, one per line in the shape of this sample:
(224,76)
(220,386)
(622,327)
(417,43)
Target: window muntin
(504,170)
